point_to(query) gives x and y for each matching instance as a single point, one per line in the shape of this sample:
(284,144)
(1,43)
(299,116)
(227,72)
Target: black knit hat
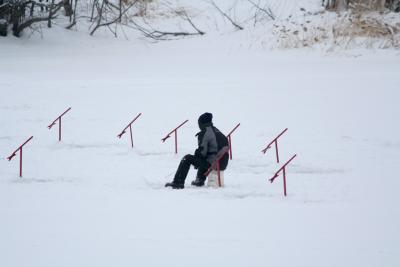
(205,118)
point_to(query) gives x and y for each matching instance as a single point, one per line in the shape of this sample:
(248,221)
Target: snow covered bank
(268,24)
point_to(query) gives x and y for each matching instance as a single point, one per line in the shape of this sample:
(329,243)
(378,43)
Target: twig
(187,18)
(99,24)
(226,16)
(268,12)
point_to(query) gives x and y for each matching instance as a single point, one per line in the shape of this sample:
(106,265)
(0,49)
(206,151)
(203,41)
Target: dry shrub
(299,36)
(293,34)
(142,6)
(366,5)
(161,9)
(367,29)
(353,29)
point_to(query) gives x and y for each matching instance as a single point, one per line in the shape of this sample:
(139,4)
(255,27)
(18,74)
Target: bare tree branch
(237,26)
(188,19)
(268,11)
(99,24)
(20,27)
(161,35)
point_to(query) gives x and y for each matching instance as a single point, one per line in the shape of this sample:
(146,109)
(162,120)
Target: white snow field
(92,200)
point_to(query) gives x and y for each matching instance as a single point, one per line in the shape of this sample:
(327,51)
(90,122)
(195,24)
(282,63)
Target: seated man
(210,141)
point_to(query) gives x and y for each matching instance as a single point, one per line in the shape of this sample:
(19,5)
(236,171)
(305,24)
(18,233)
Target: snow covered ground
(91,200)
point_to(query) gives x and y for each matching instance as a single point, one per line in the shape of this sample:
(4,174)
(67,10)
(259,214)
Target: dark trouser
(199,163)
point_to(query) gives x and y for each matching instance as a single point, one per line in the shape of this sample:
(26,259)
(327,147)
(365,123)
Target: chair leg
(219,175)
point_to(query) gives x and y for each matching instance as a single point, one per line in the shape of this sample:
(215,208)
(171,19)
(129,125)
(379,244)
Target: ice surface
(91,200)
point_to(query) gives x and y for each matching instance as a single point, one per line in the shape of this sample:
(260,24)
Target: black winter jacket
(207,142)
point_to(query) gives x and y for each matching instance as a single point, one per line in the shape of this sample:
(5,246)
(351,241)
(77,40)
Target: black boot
(175,185)
(198,182)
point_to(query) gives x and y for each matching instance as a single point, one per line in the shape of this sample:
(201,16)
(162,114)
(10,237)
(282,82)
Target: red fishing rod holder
(130,128)
(59,123)
(175,132)
(216,164)
(230,140)
(20,155)
(276,145)
(283,169)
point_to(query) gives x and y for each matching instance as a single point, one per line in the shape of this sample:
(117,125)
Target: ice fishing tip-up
(130,128)
(59,123)
(230,140)
(20,155)
(175,132)
(283,169)
(276,145)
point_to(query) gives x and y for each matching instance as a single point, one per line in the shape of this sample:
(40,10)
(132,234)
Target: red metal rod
(219,174)
(169,134)
(59,130)
(217,160)
(130,130)
(284,181)
(230,140)
(234,129)
(175,131)
(176,141)
(20,155)
(283,169)
(129,125)
(277,151)
(276,138)
(13,154)
(277,173)
(59,123)
(20,162)
(54,122)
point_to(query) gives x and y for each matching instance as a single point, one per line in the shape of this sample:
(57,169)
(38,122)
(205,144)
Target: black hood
(205,120)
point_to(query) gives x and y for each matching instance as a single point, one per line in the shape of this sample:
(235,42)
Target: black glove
(197,153)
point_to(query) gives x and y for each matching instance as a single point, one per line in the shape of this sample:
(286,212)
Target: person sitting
(210,142)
